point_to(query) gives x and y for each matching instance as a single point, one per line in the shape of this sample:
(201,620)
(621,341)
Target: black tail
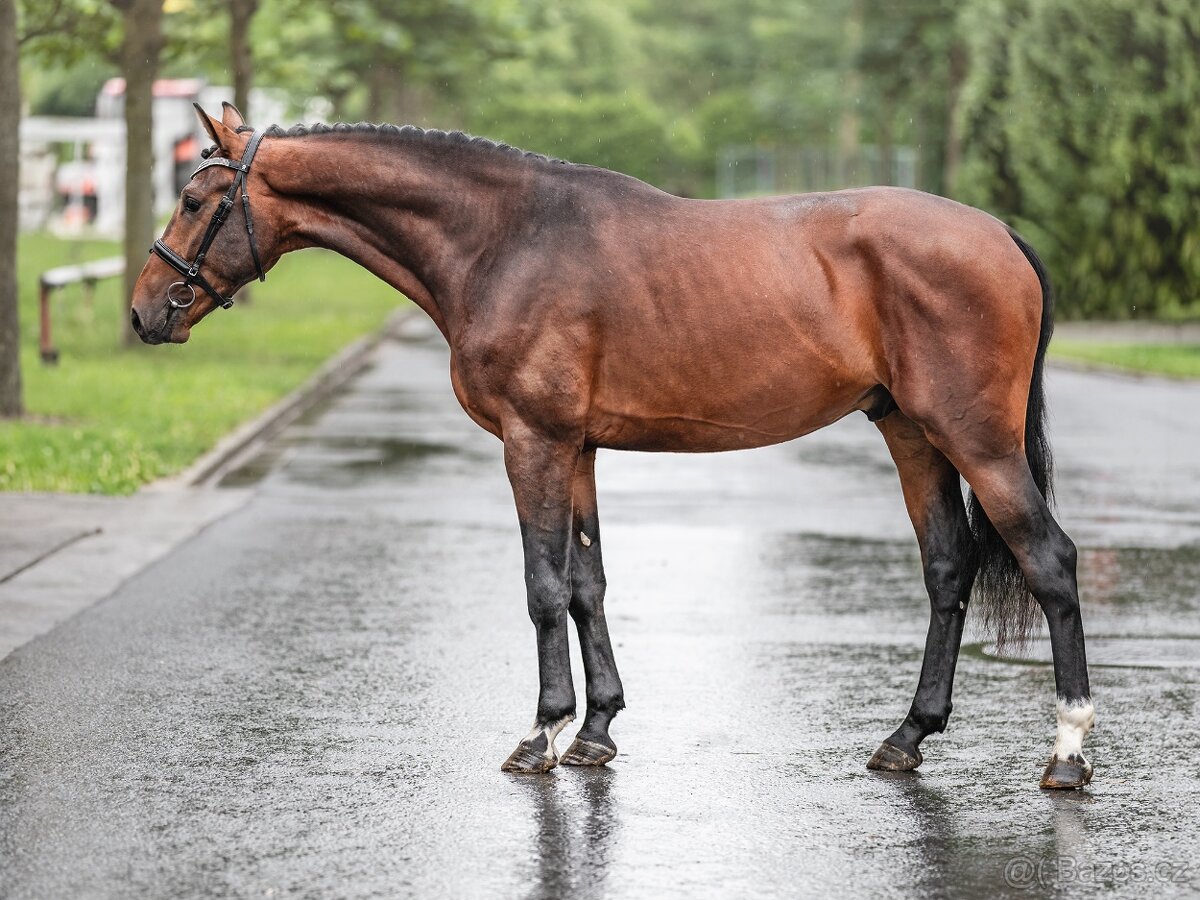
(1009,610)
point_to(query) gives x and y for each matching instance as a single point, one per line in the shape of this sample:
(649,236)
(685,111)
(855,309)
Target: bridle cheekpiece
(191,271)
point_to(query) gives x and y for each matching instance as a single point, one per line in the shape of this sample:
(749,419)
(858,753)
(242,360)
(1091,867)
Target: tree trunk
(958,74)
(10,130)
(242,63)
(240,14)
(850,124)
(141,43)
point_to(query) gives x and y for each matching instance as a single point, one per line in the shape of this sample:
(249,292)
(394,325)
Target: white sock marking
(551,731)
(1075,720)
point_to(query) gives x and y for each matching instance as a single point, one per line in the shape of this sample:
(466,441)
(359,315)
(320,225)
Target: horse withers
(586,309)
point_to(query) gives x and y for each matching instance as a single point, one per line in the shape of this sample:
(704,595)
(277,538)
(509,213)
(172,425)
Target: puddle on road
(846,456)
(335,461)
(1120,652)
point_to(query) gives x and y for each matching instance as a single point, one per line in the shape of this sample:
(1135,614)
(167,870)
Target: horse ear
(230,116)
(221,135)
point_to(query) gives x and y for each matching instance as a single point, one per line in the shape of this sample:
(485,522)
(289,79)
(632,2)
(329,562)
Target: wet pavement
(313,696)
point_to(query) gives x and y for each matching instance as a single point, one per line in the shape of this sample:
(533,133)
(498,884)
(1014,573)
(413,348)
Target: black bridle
(191,271)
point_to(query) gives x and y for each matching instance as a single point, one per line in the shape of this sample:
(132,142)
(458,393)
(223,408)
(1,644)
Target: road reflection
(576,830)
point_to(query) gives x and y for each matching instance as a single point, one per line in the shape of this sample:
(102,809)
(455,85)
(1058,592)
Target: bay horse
(586,309)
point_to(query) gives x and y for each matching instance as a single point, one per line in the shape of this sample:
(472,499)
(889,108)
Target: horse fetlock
(545,731)
(604,702)
(592,745)
(1076,718)
(926,722)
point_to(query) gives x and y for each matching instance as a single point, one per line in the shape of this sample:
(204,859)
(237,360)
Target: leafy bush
(1081,130)
(625,132)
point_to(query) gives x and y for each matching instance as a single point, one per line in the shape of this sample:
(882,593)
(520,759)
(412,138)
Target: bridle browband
(191,271)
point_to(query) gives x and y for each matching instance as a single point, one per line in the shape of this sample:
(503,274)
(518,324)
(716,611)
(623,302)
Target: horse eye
(191,204)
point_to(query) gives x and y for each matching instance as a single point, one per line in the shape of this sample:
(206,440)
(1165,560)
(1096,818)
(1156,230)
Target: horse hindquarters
(993,433)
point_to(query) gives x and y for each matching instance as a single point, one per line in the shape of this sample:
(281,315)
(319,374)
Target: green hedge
(1081,127)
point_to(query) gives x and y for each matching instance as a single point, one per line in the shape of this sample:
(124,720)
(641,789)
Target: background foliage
(1090,143)
(107,421)
(1074,121)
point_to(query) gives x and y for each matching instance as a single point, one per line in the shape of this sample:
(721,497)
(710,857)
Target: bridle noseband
(191,271)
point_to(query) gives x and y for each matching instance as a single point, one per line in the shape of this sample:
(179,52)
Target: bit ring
(177,303)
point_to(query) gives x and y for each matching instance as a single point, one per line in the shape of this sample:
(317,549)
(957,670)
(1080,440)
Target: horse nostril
(136,322)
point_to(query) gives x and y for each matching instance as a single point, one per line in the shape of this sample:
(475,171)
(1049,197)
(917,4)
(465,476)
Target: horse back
(658,323)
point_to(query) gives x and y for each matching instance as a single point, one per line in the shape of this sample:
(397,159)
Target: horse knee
(587,598)
(549,594)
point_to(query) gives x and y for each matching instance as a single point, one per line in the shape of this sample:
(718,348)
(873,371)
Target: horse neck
(418,215)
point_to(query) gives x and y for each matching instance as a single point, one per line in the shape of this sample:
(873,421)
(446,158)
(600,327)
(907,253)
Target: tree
(241,12)
(576,91)
(911,70)
(141,43)
(10,157)
(1098,128)
(985,175)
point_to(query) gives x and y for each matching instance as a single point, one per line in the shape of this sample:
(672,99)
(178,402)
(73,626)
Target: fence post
(46,342)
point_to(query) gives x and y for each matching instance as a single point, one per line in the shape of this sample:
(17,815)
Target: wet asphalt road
(312,698)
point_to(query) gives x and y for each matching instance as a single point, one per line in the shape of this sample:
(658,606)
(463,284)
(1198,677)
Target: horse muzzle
(165,330)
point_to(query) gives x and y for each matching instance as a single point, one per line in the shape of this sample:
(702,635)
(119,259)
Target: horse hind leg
(934,501)
(605,698)
(1046,557)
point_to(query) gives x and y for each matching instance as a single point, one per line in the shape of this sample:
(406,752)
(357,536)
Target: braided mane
(405,133)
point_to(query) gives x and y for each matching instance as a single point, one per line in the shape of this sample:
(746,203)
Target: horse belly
(700,404)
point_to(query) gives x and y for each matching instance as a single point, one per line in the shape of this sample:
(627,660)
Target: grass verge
(1174,360)
(108,419)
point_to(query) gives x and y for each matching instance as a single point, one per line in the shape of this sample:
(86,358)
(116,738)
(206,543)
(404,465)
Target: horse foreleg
(605,698)
(541,472)
(935,505)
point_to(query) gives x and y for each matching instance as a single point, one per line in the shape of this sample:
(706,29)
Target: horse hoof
(587,753)
(890,758)
(1066,774)
(527,760)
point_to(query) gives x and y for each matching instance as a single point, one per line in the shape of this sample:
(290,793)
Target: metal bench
(52,280)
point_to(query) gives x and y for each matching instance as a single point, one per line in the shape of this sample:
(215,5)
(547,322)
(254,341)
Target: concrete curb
(1136,332)
(1090,367)
(332,374)
(104,541)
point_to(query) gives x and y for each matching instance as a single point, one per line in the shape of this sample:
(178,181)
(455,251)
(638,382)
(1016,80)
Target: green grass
(108,419)
(1174,360)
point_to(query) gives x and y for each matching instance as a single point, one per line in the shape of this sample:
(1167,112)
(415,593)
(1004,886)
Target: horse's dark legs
(592,746)
(1047,558)
(541,472)
(935,505)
